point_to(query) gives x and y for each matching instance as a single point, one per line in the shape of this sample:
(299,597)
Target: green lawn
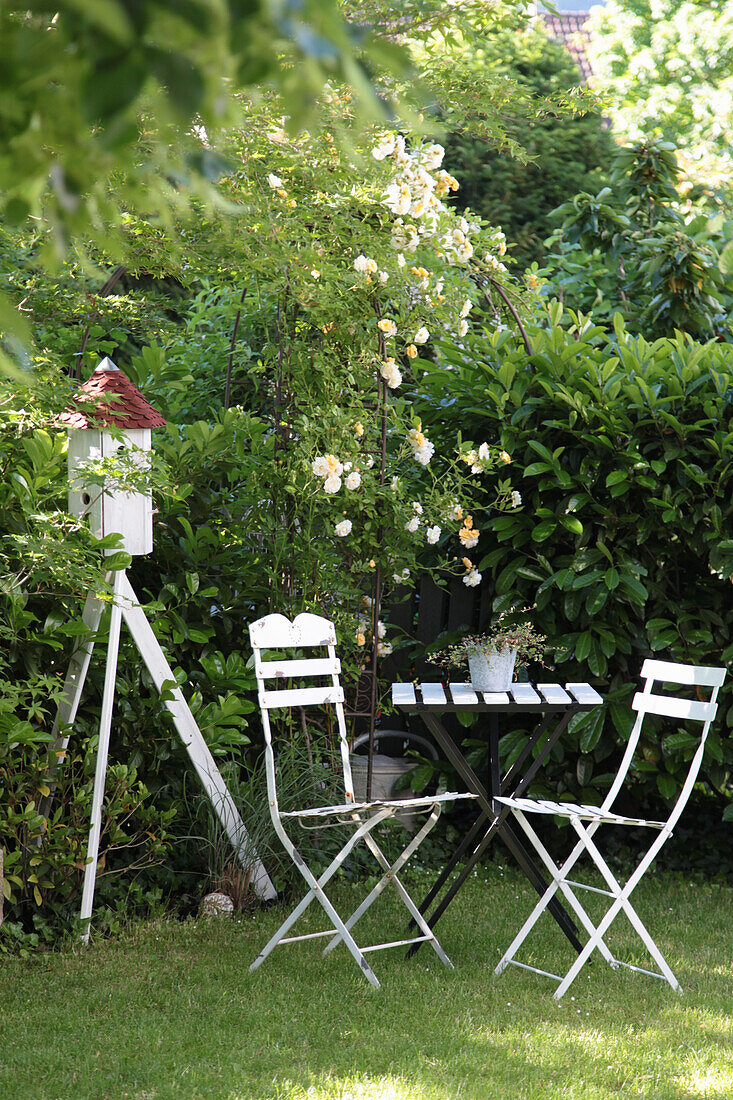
(170,1010)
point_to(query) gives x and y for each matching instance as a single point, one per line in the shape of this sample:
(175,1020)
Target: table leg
(497,824)
(468,840)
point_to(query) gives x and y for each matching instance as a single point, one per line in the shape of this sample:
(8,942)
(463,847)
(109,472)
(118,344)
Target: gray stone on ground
(216,905)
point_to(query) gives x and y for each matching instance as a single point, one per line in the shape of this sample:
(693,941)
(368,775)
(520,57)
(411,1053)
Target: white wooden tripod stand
(109,413)
(126,606)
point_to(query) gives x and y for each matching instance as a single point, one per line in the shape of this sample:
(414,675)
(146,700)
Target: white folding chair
(586,820)
(311,632)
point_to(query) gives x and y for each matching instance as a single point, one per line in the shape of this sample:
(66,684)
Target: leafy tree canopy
(554,144)
(669,67)
(112,107)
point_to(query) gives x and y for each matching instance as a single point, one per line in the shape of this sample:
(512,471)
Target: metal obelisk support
(110,401)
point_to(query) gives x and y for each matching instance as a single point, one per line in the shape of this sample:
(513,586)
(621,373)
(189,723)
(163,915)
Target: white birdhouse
(119,405)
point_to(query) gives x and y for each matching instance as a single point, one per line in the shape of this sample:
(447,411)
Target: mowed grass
(170,1010)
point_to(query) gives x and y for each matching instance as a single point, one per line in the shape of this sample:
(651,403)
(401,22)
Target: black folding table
(554,706)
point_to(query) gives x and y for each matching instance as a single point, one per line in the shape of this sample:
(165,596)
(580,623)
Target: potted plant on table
(493,657)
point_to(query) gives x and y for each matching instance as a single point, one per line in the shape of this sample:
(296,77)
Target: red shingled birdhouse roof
(119,403)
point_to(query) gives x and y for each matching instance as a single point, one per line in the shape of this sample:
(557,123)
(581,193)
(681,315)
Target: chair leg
(558,875)
(621,902)
(391,876)
(316,891)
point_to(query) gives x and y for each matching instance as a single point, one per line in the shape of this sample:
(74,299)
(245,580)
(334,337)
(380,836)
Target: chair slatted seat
(312,632)
(585,821)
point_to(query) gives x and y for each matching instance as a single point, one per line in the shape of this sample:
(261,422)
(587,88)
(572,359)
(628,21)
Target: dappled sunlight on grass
(351,1088)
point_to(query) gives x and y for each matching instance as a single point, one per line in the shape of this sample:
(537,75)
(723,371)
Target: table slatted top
(521,696)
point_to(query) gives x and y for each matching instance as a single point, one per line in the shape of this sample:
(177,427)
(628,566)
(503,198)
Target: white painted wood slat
(497,698)
(277,632)
(683,674)
(584,693)
(403,694)
(463,695)
(301,697)
(433,694)
(554,693)
(665,705)
(524,693)
(316,666)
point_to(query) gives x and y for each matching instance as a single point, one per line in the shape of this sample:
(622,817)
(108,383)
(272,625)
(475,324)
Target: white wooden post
(193,741)
(105,725)
(73,686)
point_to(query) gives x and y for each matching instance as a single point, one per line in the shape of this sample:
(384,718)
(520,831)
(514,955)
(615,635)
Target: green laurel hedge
(623,453)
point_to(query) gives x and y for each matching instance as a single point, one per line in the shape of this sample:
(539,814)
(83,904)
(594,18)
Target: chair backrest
(305,632)
(655,700)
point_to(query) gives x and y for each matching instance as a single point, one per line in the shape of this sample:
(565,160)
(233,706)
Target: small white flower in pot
(492,657)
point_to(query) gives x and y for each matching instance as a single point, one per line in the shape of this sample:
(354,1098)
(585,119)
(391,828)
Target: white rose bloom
(484,452)
(381,629)
(320,466)
(466,307)
(471,458)
(401,261)
(417,506)
(332,484)
(384,649)
(343,528)
(369,462)
(434,156)
(385,148)
(516,498)
(365,265)
(425,453)
(462,328)
(398,198)
(433,534)
(383,276)
(472,579)
(391,374)
(274,181)
(347,466)
(400,578)
(412,525)
(421,336)
(353,481)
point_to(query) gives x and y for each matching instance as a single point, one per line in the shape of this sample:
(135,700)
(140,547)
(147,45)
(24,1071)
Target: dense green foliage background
(565,153)
(240,314)
(625,544)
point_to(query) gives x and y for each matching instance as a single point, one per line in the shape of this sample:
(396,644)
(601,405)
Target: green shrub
(623,452)
(637,249)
